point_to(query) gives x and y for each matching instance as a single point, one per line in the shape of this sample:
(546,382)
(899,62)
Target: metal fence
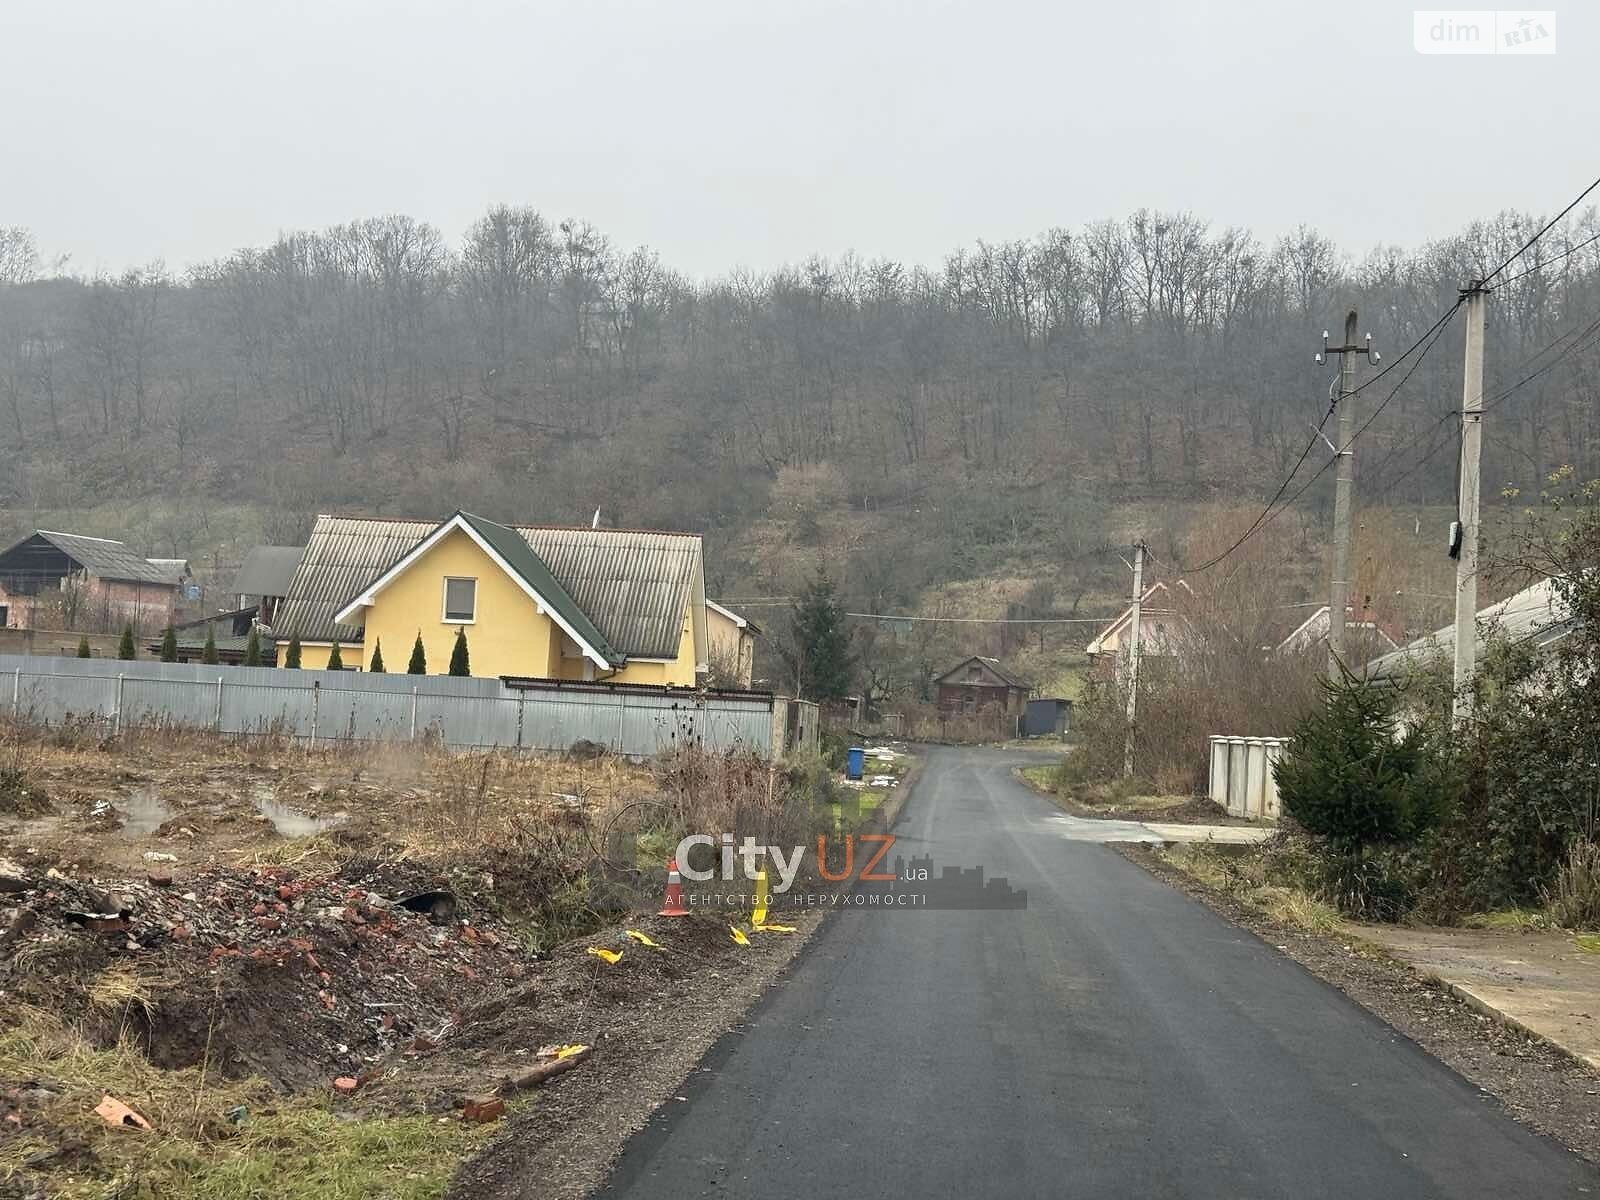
(327,707)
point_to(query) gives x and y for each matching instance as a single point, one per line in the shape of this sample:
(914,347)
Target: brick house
(53,580)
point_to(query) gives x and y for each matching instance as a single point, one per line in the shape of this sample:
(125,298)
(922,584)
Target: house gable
(412,591)
(978,671)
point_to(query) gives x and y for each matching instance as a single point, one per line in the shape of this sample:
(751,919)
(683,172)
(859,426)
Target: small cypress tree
(125,647)
(377,657)
(291,656)
(419,658)
(208,653)
(83,647)
(335,661)
(169,645)
(460,664)
(252,649)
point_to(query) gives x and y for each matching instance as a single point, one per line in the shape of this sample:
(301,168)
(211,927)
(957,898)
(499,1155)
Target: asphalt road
(1113,1039)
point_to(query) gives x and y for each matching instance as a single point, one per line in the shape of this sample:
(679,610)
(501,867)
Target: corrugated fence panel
(54,699)
(364,707)
(261,708)
(468,720)
(167,701)
(364,715)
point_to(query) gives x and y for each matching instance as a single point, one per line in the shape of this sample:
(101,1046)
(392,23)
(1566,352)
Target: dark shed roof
(267,570)
(100,557)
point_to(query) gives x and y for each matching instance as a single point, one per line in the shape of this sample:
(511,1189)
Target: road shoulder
(1536,1082)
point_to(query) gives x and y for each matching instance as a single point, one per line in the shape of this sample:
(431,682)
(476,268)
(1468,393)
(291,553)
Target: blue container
(855,760)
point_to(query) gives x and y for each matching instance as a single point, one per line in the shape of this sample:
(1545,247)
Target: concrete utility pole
(1344,487)
(1133,656)
(1464,537)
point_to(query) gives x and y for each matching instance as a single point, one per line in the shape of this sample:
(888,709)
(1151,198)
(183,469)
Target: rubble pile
(300,979)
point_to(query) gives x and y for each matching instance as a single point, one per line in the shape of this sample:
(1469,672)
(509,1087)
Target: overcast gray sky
(754,132)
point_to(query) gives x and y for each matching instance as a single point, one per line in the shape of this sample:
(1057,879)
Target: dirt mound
(296,979)
(21,796)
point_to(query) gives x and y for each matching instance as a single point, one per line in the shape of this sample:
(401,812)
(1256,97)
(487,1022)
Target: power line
(1549,225)
(1579,339)
(1543,263)
(1435,331)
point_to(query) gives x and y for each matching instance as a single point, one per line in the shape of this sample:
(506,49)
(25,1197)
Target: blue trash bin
(855,761)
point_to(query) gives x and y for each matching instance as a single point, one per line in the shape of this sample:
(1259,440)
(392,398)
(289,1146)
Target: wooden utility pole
(1133,656)
(1344,487)
(1464,536)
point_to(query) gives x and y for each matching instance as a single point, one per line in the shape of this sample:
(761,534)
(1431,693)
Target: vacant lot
(297,967)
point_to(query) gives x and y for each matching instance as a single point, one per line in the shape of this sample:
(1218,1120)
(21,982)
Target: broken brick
(345,1085)
(483,1109)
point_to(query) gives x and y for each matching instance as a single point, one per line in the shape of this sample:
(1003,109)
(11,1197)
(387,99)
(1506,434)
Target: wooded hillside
(923,431)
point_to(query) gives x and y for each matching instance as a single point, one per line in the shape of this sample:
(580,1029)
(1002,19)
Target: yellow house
(550,602)
(732,645)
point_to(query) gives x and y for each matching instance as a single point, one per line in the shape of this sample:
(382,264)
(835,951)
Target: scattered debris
(738,935)
(114,1112)
(483,1109)
(440,906)
(532,1077)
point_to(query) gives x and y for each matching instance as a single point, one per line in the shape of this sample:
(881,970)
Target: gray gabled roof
(509,545)
(993,666)
(634,586)
(106,559)
(1538,614)
(266,571)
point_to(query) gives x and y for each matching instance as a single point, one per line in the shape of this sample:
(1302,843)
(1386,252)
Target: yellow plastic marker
(611,956)
(759,915)
(643,939)
(738,935)
(775,928)
(569,1051)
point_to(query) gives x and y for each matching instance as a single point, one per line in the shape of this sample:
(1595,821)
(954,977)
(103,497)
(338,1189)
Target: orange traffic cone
(673,906)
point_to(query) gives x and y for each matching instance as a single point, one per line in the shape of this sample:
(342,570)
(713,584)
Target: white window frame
(444,600)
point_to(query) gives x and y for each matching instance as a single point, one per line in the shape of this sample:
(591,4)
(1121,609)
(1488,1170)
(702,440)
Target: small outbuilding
(1046,716)
(979,684)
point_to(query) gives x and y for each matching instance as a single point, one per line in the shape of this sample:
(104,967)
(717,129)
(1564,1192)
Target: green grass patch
(1518,919)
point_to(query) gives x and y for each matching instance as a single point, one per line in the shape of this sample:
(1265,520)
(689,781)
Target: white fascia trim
(369,597)
(732,616)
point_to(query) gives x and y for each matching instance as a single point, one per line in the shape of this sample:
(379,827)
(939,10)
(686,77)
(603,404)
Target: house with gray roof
(53,580)
(534,601)
(1538,615)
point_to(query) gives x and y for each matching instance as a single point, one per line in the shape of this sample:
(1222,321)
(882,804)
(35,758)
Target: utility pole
(1464,535)
(1344,486)
(1133,656)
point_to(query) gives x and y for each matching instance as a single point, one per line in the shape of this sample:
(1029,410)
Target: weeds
(289,1150)
(1573,901)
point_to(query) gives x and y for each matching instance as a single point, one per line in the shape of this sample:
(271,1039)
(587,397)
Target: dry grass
(116,988)
(213,1139)
(1242,876)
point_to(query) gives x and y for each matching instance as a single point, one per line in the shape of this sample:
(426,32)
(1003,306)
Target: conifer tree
(252,649)
(169,645)
(125,647)
(208,653)
(459,662)
(291,656)
(419,658)
(377,657)
(335,660)
(83,647)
